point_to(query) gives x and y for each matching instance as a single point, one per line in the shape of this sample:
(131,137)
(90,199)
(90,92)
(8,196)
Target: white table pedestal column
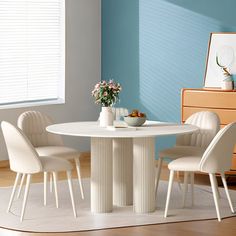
(101,175)
(123,171)
(144,175)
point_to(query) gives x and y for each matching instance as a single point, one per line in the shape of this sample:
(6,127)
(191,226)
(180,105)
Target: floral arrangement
(106,93)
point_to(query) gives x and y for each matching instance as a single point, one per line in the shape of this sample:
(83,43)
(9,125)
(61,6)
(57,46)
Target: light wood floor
(195,228)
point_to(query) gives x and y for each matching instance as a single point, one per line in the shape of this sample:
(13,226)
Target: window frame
(61,82)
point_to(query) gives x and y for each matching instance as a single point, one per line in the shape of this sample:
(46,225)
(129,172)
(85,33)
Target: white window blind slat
(32,50)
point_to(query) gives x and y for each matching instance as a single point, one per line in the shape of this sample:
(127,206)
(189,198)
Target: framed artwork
(221,59)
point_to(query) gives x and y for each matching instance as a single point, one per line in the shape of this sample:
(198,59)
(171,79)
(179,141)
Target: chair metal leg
(18,175)
(217,192)
(45,176)
(214,190)
(171,179)
(77,164)
(71,192)
(158,173)
(185,189)
(227,192)
(192,186)
(25,196)
(55,187)
(51,182)
(21,184)
(178,179)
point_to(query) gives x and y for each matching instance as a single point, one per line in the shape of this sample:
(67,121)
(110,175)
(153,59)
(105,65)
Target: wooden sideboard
(219,101)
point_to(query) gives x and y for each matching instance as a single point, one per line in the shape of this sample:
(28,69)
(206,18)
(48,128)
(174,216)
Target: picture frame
(221,61)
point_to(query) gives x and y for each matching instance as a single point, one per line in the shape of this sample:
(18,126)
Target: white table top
(92,129)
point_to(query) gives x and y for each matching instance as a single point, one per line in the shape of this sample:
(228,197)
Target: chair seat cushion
(58,151)
(190,163)
(55,164)
(181,151)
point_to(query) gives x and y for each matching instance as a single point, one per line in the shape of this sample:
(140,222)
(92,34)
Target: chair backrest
(33,124)
(119,112)
(218,156)
(22,155)
(209,125)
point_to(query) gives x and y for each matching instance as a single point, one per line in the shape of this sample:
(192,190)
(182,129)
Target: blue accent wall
(154,48)
(120,47)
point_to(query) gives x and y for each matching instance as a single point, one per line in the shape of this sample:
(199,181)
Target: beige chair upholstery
(180,151)
(58,151)
(33,124)
(24,160)
(192,144)
(216,159)
(209,125)
(119,112)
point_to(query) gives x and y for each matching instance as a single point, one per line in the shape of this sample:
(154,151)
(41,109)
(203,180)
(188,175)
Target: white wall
(83,70)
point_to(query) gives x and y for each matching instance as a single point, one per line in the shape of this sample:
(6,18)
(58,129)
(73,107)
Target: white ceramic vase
(106,117)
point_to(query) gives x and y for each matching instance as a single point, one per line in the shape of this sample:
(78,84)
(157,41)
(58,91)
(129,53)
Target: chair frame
(58,142)
(190,120)
(211,156)
(16,132)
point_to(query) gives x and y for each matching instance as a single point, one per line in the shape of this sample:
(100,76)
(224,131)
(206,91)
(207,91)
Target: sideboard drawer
(210,99)
(233,167)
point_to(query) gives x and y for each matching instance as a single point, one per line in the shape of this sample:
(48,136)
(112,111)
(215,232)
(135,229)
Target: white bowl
(134,121)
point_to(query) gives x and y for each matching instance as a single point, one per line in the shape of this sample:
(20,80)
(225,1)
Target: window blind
(32,38)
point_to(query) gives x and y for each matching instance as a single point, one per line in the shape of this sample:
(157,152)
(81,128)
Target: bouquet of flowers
(106,93)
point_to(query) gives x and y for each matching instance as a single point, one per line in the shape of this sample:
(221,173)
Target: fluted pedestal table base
(101,175)
(102,158)
(144,174)
(122,171)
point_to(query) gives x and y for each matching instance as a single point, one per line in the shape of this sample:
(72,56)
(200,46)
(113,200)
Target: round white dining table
(122,162)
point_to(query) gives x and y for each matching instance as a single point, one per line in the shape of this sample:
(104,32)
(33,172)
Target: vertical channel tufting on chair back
(33,124)
(209,125)
(119,112)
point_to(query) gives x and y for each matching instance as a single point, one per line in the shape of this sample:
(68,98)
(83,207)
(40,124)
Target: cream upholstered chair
(191,144)
(25,160)
(119,112)
(33,124)
(216,159)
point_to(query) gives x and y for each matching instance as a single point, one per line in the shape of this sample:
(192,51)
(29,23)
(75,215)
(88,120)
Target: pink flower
(97,85)
(110,92)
